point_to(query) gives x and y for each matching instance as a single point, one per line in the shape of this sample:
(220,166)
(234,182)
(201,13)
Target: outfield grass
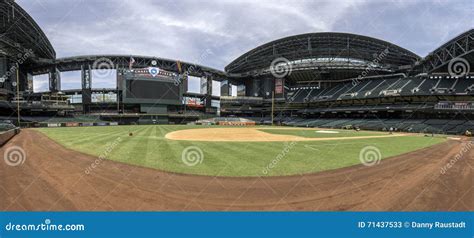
(148,147)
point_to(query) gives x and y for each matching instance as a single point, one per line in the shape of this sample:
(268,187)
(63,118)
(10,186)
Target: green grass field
(148,147)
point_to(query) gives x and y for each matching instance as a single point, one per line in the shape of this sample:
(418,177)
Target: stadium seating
(437,126)
(5,126)
(375,88)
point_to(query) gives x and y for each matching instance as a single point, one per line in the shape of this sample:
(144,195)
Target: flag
(179,66)
(132,61)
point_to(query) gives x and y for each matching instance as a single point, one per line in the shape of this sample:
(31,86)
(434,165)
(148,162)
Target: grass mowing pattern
(148,147)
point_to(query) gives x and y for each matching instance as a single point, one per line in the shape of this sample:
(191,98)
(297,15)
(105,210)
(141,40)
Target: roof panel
(18,27)
(325,44)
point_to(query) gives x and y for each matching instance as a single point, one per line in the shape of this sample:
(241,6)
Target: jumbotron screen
(150,85)
(150,89)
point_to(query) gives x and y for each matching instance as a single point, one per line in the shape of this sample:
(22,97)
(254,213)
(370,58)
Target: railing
(7,135)
(455,106)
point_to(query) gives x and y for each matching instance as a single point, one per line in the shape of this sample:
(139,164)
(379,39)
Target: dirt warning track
(54,178)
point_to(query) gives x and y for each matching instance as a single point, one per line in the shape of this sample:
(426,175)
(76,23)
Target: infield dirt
(54,178)
(249,134)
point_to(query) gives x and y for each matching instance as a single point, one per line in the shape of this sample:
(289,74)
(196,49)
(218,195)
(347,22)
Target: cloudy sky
(213,33)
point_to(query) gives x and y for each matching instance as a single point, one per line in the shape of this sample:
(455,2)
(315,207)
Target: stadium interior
(326,79)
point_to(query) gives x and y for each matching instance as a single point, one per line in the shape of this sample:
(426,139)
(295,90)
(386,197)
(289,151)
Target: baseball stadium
(323,121)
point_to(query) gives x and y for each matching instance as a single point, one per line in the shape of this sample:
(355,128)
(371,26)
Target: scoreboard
(150,86)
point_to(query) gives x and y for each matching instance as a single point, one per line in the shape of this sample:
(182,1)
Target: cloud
(40,83)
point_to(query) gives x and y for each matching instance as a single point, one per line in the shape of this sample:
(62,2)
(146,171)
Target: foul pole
(273,104)
(18,96)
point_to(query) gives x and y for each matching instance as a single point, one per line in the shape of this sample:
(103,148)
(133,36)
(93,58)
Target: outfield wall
(236,123)
(76,124)
(7,135)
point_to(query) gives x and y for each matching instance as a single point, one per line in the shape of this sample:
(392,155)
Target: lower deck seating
(437,126)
